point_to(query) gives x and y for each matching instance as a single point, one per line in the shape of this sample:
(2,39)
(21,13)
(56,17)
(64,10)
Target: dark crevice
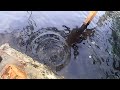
(1,59)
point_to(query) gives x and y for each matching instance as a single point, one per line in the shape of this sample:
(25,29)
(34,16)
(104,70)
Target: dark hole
(0,58)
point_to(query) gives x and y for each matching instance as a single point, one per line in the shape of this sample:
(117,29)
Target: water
(97,56)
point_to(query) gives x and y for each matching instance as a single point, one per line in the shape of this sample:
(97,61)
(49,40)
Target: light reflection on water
(98,56)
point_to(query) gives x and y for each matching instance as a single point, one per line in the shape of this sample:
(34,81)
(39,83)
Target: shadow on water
(95,55)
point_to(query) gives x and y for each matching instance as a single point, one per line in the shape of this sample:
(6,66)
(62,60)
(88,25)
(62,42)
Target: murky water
(95,56)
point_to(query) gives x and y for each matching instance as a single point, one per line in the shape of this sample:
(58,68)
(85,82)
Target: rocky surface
(34,69)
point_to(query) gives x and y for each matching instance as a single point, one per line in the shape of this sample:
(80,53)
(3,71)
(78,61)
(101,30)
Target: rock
(34,69)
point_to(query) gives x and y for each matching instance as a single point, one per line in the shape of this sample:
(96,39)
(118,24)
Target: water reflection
(115,41)
(113,46)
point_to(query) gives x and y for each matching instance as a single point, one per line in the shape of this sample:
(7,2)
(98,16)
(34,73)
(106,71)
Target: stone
(32,68)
